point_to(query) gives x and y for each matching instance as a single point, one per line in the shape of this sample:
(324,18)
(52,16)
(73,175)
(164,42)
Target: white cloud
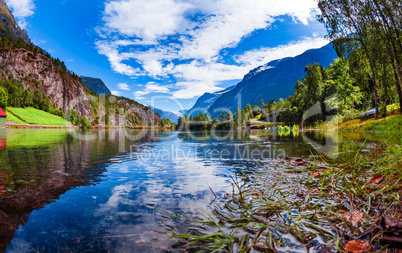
(144,19)
(116,93)
(151,87)
(255,58)
(184,39)
(123,86)
(22,9)
(116,58)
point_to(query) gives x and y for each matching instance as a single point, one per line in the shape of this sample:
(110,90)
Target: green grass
(34,116)
(389,124)
(11,117)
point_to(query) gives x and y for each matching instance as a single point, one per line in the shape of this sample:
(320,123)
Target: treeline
(225,121)
(345,89)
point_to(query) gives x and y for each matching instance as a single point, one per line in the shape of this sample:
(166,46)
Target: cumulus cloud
(184,39)
(151,87)
(22,9)
(123,86)
(144,19)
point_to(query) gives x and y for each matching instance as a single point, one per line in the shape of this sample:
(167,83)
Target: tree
(73,117)
(84,122)
(339,77)
(3,98)
(372,26)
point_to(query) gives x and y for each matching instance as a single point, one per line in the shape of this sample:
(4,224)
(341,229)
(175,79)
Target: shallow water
(100,191)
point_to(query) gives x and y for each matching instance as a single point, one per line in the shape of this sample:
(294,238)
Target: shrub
(3,98)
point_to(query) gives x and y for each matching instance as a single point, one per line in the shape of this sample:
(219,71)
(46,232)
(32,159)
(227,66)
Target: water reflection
(105,192)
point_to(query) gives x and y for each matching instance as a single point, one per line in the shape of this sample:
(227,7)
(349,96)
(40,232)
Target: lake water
(112,190)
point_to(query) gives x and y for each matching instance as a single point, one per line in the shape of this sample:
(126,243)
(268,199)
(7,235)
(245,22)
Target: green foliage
(3,98)
(370,29)
(84,122)
(166,122)
(73,117)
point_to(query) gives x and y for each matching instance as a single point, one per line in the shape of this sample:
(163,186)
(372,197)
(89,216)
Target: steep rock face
(272,81)
(38,71)
(8,24)
(96,85)
(147,116)
(206,101)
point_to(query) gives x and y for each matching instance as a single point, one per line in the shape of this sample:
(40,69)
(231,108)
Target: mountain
(174,118)
(8,24)
(207,100)
(36,71)
(96,85)
(274,80)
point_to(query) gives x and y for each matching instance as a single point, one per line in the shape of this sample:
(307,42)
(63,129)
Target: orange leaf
(377,179)
(357,246)
(353,218)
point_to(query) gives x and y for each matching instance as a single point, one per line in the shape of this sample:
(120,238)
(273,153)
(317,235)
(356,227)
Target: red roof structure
(2,113)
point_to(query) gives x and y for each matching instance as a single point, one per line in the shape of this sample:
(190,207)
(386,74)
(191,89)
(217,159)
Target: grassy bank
(319,205)
(34,116)
(391,123)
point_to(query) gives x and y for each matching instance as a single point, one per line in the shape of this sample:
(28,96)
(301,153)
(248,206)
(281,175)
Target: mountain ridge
(204,102)
(274,80)
(96,85)
(9,25)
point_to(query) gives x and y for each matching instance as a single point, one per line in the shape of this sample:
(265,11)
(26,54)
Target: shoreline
(12,125)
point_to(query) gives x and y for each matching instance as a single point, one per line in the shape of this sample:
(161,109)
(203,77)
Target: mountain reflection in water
(106,191)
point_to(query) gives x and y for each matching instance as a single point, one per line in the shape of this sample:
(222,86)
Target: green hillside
(34,116)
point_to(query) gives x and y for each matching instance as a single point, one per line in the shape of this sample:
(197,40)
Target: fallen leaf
(391,224)
(322,173)
(299,162)
(357,246)
(377,179)
(353,218)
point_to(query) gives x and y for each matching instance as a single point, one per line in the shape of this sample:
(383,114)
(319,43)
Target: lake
(125,190)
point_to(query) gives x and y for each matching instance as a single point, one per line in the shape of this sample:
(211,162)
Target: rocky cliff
(34,68)
(8,26)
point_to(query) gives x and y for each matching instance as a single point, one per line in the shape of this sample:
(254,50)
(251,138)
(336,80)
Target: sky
(167,53)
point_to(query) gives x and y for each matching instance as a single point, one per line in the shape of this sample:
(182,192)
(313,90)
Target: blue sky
(169,52)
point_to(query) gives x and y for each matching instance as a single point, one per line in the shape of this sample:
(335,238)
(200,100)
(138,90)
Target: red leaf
(357,246)
(299,161)
(377,179)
